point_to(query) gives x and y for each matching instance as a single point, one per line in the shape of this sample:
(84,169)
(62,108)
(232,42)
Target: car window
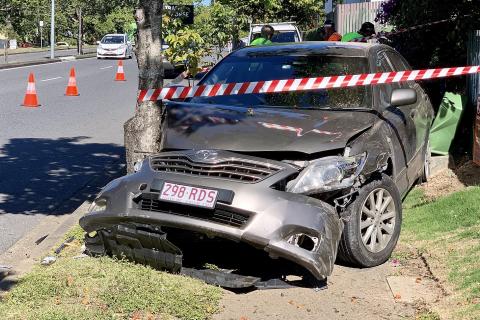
(280,37)
(400,64)
(264,67)
(113,40)
(385,90)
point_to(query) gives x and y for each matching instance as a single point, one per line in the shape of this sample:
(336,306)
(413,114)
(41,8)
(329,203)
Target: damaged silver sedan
(302,176)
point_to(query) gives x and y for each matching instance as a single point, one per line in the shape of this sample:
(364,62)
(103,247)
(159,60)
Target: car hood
(205,126)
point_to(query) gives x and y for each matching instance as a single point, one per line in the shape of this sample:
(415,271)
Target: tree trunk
(80,32)
(143,132)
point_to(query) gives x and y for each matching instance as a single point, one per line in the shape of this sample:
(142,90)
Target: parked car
(284,32)
(62,45)
(300,175)
(114,46)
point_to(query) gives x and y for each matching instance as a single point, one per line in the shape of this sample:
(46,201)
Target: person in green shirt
(367,30)
(266,35)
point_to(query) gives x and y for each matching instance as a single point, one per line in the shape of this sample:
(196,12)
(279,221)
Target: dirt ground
(452,180)
(402,288)
(399,289)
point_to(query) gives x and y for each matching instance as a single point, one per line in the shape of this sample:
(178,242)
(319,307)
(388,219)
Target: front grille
(220,216)
(236,169)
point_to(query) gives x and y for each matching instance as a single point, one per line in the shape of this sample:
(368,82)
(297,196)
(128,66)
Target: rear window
(113,40)
(281,37)
(264,68)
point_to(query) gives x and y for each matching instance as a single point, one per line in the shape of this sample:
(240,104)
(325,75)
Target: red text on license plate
(189,195)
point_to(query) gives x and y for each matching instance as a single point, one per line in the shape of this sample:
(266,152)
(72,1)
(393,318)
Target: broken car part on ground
(300,176)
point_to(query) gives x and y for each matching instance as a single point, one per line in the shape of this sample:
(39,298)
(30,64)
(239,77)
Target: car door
(421,115)
(400,124)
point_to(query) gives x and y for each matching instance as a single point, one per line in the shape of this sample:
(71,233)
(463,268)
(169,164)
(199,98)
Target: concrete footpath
(38,56)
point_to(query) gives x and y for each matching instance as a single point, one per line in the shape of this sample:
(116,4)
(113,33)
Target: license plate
(193,196)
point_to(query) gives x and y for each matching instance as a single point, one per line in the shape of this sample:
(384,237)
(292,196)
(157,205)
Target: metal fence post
(473,89)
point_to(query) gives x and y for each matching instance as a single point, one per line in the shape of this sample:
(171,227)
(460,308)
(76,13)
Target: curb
(26,252)
(48,61)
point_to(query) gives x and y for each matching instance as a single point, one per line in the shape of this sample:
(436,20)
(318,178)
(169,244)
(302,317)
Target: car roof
(115,34)
(348,49)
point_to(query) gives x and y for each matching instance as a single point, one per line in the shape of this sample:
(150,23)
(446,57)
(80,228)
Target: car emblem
(206,155)
(250,112)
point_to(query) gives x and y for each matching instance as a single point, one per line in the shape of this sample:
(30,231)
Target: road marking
(50,79)
(106,67)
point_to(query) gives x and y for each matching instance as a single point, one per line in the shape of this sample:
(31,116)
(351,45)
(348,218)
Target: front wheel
(373,225)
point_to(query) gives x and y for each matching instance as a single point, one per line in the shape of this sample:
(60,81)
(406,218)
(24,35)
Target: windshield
(280,37)
(264,68)
(113,40)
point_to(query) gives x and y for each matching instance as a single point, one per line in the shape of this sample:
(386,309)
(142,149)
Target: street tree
(143,132)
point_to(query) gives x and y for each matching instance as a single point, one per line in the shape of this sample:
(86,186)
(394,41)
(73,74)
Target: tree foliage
(438,45)
(305,12)
(100,17)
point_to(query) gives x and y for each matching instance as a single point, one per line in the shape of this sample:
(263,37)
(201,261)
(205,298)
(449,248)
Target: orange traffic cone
(31,99)
(120,76)
(72,89)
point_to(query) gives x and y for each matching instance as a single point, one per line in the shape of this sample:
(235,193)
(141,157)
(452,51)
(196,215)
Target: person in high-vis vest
(266,35)
(367,30)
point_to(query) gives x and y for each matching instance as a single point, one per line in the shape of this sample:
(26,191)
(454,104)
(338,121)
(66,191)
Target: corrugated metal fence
(473,59)
(349,17)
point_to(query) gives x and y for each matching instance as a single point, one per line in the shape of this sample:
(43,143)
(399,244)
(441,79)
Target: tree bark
(143,132)
(80,32)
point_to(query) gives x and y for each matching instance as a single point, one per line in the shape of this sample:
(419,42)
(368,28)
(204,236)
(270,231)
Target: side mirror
(403,97)
(98,42)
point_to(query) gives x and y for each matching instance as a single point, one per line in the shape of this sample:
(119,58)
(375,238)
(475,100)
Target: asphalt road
(48,154)
(32,56)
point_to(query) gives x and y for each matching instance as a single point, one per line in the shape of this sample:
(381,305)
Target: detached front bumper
(291,226)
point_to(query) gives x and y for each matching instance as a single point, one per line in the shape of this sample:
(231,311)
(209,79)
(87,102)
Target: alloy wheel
(377,221)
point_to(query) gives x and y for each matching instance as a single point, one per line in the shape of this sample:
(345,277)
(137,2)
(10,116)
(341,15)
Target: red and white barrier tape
(302,84)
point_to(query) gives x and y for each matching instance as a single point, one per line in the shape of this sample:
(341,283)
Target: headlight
(99,205)
(327,174)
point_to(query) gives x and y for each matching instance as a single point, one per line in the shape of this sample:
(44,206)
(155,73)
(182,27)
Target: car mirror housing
(98,42)
(403,97)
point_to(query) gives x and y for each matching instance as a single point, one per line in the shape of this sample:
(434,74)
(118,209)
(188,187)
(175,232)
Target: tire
(352,249)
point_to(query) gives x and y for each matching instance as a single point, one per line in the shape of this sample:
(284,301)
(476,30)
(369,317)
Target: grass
(105,288)
(448,230)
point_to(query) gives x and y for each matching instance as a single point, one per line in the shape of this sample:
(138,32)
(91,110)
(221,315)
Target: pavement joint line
(50,79)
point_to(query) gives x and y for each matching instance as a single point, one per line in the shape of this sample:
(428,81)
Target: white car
(284,32)
(114,46)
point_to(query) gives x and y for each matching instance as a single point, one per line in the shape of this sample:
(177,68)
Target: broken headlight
(327,174)
(99,205)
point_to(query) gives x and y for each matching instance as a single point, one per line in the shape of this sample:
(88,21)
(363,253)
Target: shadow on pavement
(54,176)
